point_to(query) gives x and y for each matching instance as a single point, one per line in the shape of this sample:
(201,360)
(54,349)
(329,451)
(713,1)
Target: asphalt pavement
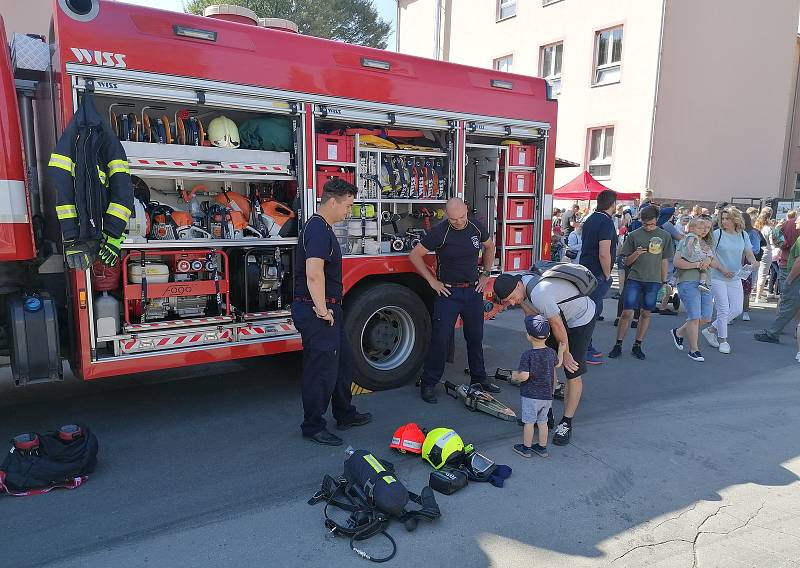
(672,463)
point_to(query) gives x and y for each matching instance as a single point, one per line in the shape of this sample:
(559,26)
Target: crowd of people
(716,262)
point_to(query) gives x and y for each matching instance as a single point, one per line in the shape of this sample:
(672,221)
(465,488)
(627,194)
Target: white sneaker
(745,316)
(724,347)
(710,337)
(797,357)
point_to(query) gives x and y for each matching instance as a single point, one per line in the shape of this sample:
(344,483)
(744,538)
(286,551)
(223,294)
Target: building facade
(696,100)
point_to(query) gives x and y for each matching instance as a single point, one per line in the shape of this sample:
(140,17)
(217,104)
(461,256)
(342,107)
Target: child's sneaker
(703,287)
(523,450)
(678,341)
(797,357)
(696,356)
(539,451)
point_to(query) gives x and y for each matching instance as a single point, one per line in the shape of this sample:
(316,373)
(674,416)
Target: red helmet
(408,438)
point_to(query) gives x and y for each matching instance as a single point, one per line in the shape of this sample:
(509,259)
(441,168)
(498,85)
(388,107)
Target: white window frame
(506,5)
(604,159)
(510,60)
(606,58)
(548,2)
(796,194)
(552,77)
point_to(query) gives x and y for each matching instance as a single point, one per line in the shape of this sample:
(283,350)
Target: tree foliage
(353,21)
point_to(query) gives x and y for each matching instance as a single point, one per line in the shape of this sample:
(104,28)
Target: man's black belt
(308,299)
(460,284)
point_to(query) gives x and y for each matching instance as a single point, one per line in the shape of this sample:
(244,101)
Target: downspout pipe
(655,93)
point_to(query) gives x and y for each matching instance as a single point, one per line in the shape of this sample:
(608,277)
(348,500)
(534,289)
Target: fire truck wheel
(390,329)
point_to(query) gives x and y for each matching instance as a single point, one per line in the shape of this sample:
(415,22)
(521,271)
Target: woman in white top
(731,245)
(574,242)
(764,225)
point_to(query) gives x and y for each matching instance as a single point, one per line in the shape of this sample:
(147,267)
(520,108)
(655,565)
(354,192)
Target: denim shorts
(699,305)
(640,294)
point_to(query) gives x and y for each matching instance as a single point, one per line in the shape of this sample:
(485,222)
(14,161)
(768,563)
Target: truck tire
(389,328)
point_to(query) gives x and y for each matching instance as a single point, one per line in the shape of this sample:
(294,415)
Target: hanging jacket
(89,170)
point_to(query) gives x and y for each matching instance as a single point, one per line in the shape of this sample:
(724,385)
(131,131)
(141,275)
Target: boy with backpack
(536,374)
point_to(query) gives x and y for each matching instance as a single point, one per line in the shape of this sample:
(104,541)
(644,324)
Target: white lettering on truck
(104,58)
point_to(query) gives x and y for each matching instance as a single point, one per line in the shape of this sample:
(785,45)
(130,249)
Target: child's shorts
(534,411)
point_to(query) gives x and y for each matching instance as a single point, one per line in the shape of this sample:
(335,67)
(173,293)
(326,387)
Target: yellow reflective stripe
(118,166)
(389,479)
(376,465)
(62,162)
(66,211)
(102,175)
(119,211)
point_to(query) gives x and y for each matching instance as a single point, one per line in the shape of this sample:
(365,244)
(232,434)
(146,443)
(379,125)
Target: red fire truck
(206,274)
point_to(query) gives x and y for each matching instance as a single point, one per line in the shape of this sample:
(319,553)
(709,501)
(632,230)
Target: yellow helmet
(223,133)
(442,447)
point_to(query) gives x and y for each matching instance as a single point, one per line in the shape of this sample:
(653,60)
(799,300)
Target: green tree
(353,21)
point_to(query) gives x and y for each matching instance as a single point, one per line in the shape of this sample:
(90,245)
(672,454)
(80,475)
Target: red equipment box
(199,280)
(325,173)
(522,155)
(518,182)
(519,209)
(519,235)
(336,148)
(518,260)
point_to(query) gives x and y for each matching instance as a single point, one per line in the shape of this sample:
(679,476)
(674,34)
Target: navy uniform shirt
(317,240)
(456,250)
(599,226)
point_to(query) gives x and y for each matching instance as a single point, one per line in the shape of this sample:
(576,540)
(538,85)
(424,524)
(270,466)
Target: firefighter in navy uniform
(459,286)
(94,196)
(317,312)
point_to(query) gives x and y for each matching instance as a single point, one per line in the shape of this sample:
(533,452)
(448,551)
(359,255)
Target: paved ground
(673,463)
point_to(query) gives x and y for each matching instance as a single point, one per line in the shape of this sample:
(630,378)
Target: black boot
(428,394)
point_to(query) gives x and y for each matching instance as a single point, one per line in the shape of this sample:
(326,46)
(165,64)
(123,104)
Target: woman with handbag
(574,242)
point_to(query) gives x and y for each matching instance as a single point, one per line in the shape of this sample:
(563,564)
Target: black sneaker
(766,337)
(615,352)
(696,356)
(523,450)
(678,341)
(634,324)
(428,394)
(358,419)
(486,387)
(540,451)
(558,394)
(325,438)
(616,322)
(637,351)
(562,435)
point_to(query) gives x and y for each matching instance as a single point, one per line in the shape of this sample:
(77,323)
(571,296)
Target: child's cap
(537,326)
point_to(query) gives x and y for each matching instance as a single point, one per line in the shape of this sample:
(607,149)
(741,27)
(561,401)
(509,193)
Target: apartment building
(696,99)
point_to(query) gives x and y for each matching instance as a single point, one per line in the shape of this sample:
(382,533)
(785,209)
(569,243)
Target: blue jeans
(649,295)
(699,305)
(467,303)
(599,294)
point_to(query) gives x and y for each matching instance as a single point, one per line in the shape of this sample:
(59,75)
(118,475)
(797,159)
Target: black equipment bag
(56,461)
(448,480)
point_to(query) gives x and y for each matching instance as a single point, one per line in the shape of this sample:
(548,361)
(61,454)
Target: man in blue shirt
(459,286)
(598,250)
(317,313)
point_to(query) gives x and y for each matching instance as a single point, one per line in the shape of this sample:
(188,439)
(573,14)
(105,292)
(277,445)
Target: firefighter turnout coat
(89,170)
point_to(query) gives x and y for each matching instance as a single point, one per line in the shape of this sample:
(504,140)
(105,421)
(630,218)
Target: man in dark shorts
(328,369)
(571,318)
(458,283)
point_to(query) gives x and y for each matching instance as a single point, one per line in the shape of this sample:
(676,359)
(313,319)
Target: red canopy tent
(586,188)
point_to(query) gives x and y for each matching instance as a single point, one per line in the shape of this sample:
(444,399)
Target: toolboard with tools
(403,182)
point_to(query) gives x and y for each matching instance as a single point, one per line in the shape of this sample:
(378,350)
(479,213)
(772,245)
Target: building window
(608,60)
(504,64)
(551,65)
(797,186)
(506,9)
(601,148)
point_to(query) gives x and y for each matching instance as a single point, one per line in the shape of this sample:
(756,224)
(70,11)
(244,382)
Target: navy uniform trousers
(467,303)
(328,369)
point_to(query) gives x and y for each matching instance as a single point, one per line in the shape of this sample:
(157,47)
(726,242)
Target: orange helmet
(408,438)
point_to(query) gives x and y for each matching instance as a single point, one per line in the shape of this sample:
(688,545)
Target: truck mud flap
(175,340)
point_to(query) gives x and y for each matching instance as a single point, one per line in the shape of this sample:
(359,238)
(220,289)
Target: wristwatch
(482,272)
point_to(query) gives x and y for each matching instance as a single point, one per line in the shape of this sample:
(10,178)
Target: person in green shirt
(646,251)
(789,304)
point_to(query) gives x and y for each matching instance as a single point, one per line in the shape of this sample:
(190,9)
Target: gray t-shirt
(547,293)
